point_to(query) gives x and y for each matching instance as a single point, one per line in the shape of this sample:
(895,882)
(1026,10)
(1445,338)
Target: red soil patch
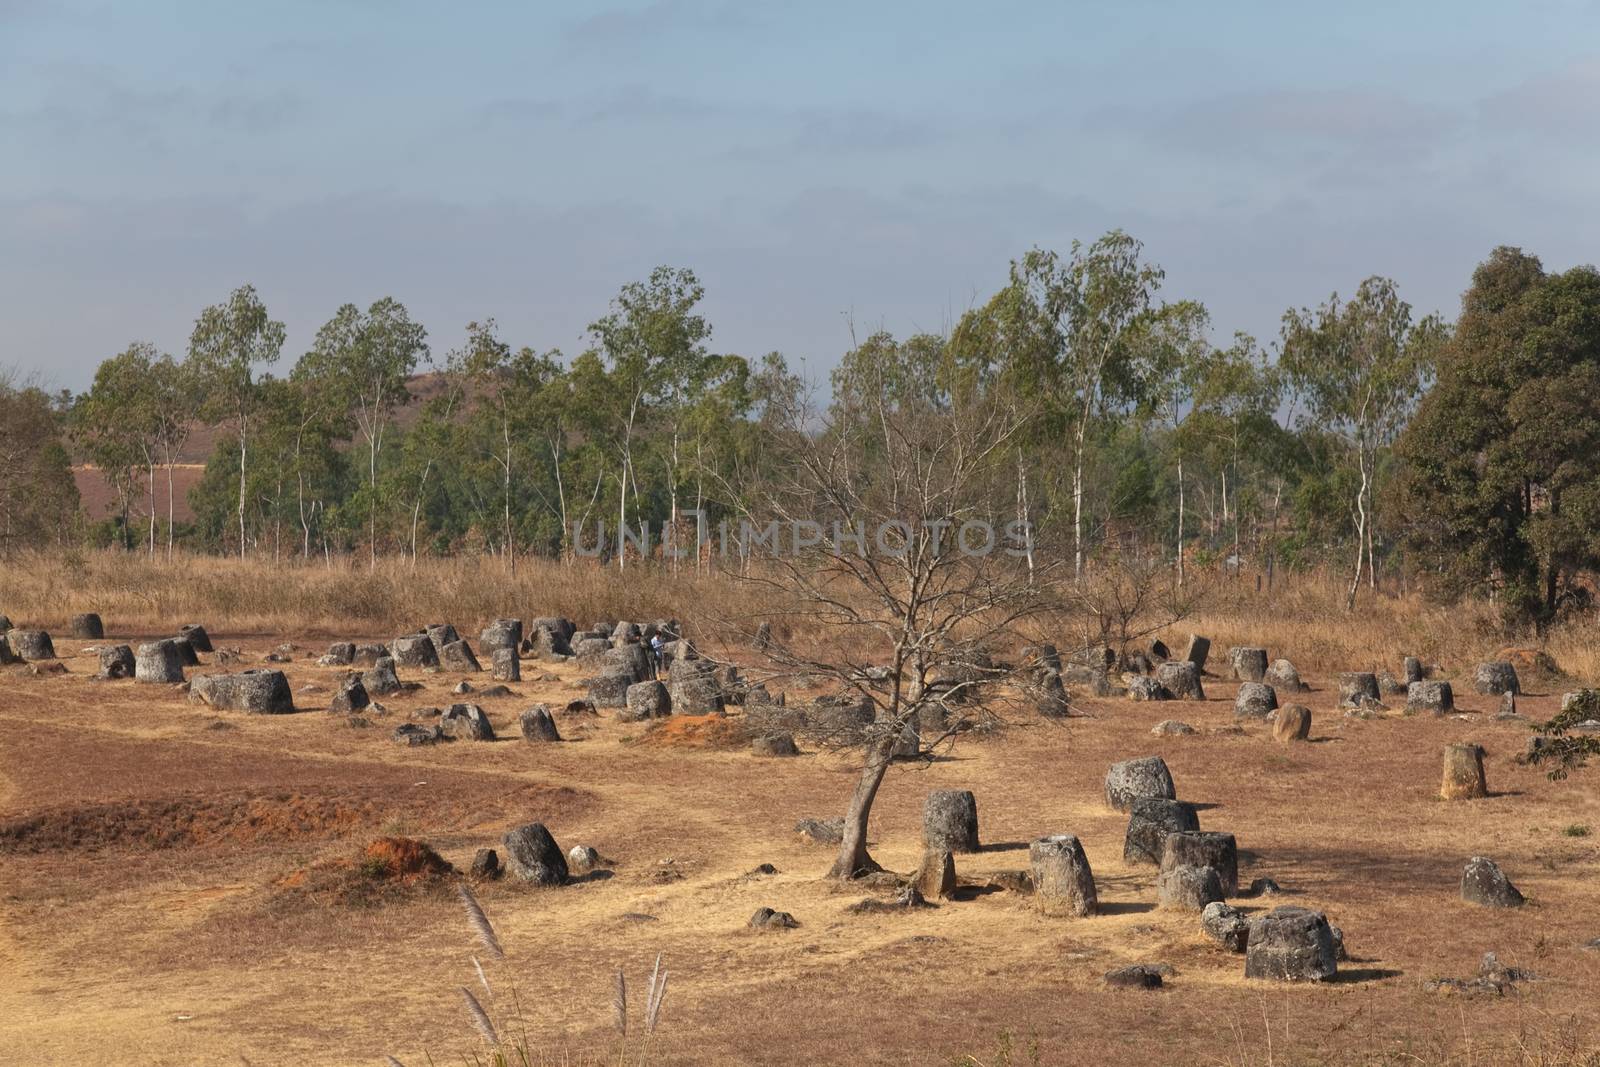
(696,731)
(403,859)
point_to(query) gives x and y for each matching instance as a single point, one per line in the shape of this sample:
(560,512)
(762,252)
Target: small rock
(485,864)
(778,744)
(1138,976)
(768,919)
(1171,728)
(1226,925)
(414,734)
(582,858)
(936,876)
(1262,887)
(821,831)
(1482,882)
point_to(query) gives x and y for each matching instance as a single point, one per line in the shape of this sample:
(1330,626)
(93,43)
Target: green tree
(117,428)
(38,497)
(1498,473)
(1360,366)
(1176,357)
(228,342)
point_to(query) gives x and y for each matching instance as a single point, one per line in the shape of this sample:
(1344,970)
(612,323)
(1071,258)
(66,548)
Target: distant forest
(1461,455)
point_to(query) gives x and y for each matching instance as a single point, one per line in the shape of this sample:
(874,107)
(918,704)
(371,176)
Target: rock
(1290,944)
(590,647)
(158,661)
(1188,888)
(440,634)
(1137,976)
(414,650)
(369,655)
(537,725)
(694,689)
(1262,887)
(47,668)
(1143,687)
(1436,697)
(502,633)
(1508,706)
(936,875)
(116,661)
(1389,685)
(1182,679)
(457,656)
(507,667)
(339,654)
(1283,675)
(1292,724)
(1463,773)
(380,679)
(259,691)
(1050,695)
(1356,687)
(1248,664)
(1197,650)
(1138,663)
(462,688)
(546,642)
(414,734)
(821,831)
(1254,700)
(5,625)
(1226,925)
(774,745)
(1496,677)
(582,858)
(1144,777)
(1150,820)
(1012,881)
(645,700)
(485,865)
(610,690)
(189,657)
(767,919)
(466,722)
(577,709)
(1063,882)
(6,655)
(31,645)
(87,627)
(950,821)
(1482,882)
(1171,728)
(1204,848)
(352,696)
(197,637)
(1530,660)
(533,856)
(1411,670)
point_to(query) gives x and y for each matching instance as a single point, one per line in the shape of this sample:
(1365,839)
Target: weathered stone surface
(1247,664)
(190,657)
(1283,677)
(466,722)
(694,689)
(1150,820)
(1496,677)
(117,661)
(768,919)
(533,856)
(645,700)
(339,654)
(1356,688)
(6,655)
(610,689)
(950,821)
(197,637)
(414,650)
(537,724)
(1197,650)
(260,691)
(1292,724)
(485,865)
(31,645)
(821,831)
(774,745)
(936,875)
(1291,945)
(1063,883)
(1411,670)
(457,656)
(87,627)
(1050,695)
(507,667)
(582,859)
(352,696)
(1226,925)
(158,661)
(1182,679)
(1188,888)
(1204,848)
(1390,686)
(1463,773)
(1144,777)
(1254,700)
(1436,697)
(502,633)
(414,734)
(369,655)
(1134,976)
(1142,687)
(380,679)
(1482,882)
(1171,728)
(545,642)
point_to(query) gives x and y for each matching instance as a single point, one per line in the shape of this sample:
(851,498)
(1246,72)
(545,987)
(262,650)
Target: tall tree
(1175,353)
(1360,366)
(228,342)
(366,358)
(174,401)
(38,497)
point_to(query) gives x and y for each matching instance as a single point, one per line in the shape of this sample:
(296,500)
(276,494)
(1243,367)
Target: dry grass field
(182,886)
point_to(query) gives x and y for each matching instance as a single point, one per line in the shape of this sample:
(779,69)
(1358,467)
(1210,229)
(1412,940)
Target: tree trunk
(169,507)
(1361,529)
(1022,514)
(1180,520)
(1077,509)
(243,435)
(853,859)
(151,471)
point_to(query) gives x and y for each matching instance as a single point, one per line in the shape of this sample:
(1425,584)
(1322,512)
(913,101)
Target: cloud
(1559,104)
(625,27)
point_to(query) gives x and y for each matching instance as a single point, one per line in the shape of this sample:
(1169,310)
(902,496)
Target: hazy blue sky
(811,160)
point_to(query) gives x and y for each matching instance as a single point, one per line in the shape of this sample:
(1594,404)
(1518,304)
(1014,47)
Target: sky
(819,165)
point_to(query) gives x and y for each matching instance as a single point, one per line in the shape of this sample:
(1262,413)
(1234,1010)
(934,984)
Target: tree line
(1394,445)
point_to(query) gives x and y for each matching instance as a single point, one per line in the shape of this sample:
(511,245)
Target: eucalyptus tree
(366,358)
(174,400)
(1176,348)
(230,340)
(1360,365)
(118,429)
